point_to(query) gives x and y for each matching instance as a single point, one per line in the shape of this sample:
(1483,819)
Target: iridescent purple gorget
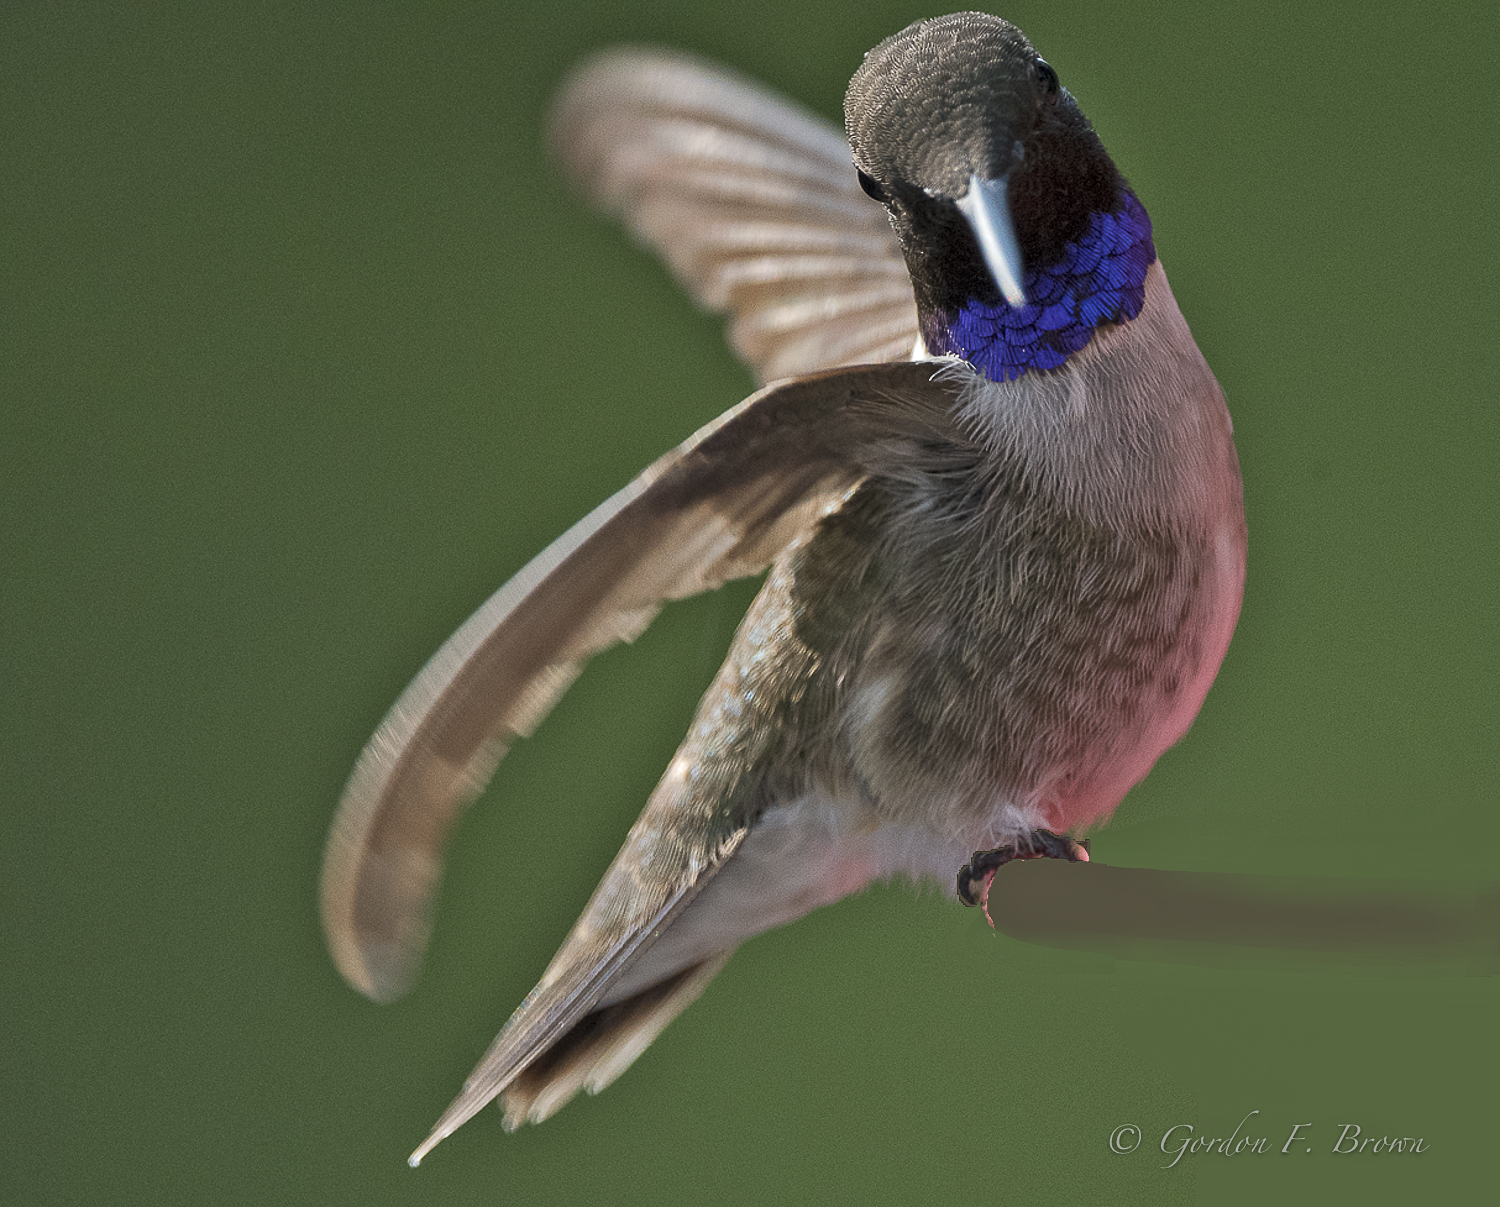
(1100,278)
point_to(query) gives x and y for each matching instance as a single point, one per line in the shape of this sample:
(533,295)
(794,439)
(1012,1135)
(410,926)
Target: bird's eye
(870,185)
(1047,76)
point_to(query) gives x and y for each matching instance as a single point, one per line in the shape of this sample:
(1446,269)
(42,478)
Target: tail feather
(603,1045)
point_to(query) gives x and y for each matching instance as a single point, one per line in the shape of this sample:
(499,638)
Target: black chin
(1066,176)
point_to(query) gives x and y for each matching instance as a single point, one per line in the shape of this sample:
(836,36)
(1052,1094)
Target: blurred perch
(1222,919)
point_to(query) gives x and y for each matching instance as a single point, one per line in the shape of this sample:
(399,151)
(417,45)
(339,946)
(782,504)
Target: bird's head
(985,162)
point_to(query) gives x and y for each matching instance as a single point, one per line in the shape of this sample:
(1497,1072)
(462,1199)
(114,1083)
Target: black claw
(966,880)
(1048,845)
(980,865)
(1042,844)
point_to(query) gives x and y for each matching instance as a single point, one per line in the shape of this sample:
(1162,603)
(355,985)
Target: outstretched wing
(722,505)
(752,201)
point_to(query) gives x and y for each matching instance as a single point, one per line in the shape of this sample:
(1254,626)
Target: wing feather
(720,506)
(751,200)
(594,1054)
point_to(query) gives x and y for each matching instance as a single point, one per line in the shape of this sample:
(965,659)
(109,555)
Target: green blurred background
(306,349)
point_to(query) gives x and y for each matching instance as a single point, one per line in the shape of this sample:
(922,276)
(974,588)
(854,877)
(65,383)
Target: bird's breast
(1029,676)
(1043,610)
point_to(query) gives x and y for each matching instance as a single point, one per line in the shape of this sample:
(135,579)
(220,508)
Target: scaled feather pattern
(1100,278)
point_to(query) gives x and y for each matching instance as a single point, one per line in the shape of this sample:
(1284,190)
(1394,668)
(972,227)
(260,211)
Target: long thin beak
(988,212)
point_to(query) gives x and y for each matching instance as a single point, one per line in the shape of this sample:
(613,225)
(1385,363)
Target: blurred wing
(720,506)
(752,202)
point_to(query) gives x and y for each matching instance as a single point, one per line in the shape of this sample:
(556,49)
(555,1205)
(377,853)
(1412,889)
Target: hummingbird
(994,484)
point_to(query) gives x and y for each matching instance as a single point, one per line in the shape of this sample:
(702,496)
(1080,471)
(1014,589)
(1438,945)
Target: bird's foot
(1039,844)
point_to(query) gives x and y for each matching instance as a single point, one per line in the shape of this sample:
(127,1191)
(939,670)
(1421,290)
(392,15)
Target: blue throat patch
(1101,278)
